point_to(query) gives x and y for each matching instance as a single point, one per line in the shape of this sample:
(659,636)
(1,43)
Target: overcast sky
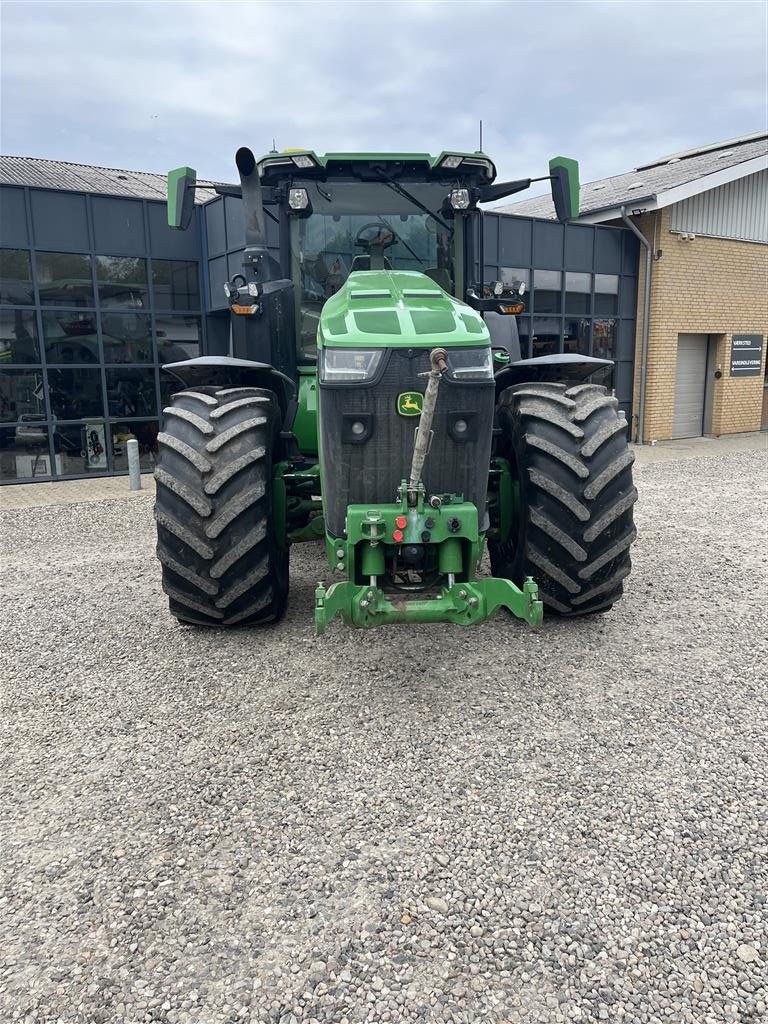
(152,86)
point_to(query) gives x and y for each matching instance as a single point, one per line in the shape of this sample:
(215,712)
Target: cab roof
(477,167)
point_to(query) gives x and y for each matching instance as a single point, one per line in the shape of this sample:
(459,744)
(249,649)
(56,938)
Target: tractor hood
(398,309)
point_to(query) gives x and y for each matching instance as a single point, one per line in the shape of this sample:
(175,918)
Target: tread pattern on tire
(220,565)
(575,469)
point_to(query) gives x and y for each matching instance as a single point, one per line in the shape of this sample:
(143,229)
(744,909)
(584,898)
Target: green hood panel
(398,309)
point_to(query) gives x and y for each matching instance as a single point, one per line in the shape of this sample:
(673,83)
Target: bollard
(134,472)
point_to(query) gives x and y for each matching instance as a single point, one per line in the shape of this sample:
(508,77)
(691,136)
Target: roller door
(690,385)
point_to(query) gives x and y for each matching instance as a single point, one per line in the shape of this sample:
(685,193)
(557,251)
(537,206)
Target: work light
(460,198)
(298,198)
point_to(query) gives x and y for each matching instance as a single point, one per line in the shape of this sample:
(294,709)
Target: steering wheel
(376,235)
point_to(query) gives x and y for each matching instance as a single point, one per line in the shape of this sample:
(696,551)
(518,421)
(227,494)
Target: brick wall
(713,286)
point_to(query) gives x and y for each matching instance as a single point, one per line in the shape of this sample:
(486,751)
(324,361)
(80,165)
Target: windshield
(345,233)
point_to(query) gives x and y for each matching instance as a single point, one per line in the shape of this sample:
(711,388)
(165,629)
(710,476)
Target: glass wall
(581,290)
(82,339)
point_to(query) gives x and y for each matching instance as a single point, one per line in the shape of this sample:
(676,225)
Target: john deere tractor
(374,398)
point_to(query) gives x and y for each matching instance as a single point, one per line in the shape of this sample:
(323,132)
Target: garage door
(690,384)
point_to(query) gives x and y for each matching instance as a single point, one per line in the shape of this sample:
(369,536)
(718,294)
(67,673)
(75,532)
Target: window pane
(178,337)
(127,338)
(577,289)
(606,294)
(70,337)
(21,396)
(145,433)
(576,337)
(16,277)
(18,336)
(64,279)
(546,289)
(80,448)
(512,276)
(175,284)
(122,282)
(524,333)
(131,392)
(604,339)
(546,336)
(169,385)
(75,393)
(24,452)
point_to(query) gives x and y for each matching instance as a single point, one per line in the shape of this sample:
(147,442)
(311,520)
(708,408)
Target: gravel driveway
(410,824)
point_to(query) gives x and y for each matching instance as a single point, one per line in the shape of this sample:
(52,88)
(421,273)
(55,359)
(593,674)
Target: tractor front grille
(368,472)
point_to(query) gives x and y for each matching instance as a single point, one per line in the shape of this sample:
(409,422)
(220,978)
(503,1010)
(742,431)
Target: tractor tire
(215,539)
(568,448)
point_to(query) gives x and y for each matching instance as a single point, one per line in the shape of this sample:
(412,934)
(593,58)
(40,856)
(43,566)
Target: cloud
(149,86)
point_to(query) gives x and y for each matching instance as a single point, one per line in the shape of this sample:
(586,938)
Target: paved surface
(72,492)
(423,824)
(701,447)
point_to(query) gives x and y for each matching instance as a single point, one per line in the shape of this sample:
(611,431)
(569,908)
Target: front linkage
(448,523)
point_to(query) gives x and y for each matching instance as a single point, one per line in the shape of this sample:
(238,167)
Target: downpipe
(646,311)
(438,365)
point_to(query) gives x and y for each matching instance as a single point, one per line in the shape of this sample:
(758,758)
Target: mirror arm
(226,190)
(488,193)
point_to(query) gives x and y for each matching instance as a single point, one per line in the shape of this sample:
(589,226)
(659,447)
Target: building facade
(700,363)
(96,294)
(706,364)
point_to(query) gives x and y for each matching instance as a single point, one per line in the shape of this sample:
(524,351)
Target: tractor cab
(341,214)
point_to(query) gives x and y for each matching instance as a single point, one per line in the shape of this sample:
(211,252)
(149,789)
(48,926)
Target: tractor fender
(230,372)
(561,367)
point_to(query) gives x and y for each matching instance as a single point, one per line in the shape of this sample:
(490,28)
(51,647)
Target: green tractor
(374,397)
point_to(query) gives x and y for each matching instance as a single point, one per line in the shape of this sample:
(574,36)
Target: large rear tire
(568,447)
(215,533)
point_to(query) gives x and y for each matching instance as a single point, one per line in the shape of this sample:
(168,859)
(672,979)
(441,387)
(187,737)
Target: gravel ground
(413,824)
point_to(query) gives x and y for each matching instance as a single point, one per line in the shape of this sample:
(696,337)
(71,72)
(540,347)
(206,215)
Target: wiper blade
(401,240)
(397,187)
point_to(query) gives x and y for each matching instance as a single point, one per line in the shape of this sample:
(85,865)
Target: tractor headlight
(470,363)
(339,365)
(451,162)
(304,161)
(460,198)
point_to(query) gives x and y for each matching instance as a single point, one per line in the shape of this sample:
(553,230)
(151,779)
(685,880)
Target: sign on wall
(746,355)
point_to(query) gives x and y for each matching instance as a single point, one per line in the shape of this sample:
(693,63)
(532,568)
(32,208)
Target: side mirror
(565,187)
(181,197)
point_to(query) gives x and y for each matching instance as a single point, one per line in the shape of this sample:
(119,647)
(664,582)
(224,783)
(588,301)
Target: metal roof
(69,177)
(698,169)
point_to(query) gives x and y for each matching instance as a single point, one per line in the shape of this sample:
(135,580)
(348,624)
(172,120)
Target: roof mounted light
(450,163)
(476,161)
(273,161)
(304,161)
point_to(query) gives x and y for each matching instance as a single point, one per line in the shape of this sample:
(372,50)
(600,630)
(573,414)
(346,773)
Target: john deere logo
(410,403)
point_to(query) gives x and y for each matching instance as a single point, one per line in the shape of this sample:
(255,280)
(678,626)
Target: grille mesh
(369,473)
